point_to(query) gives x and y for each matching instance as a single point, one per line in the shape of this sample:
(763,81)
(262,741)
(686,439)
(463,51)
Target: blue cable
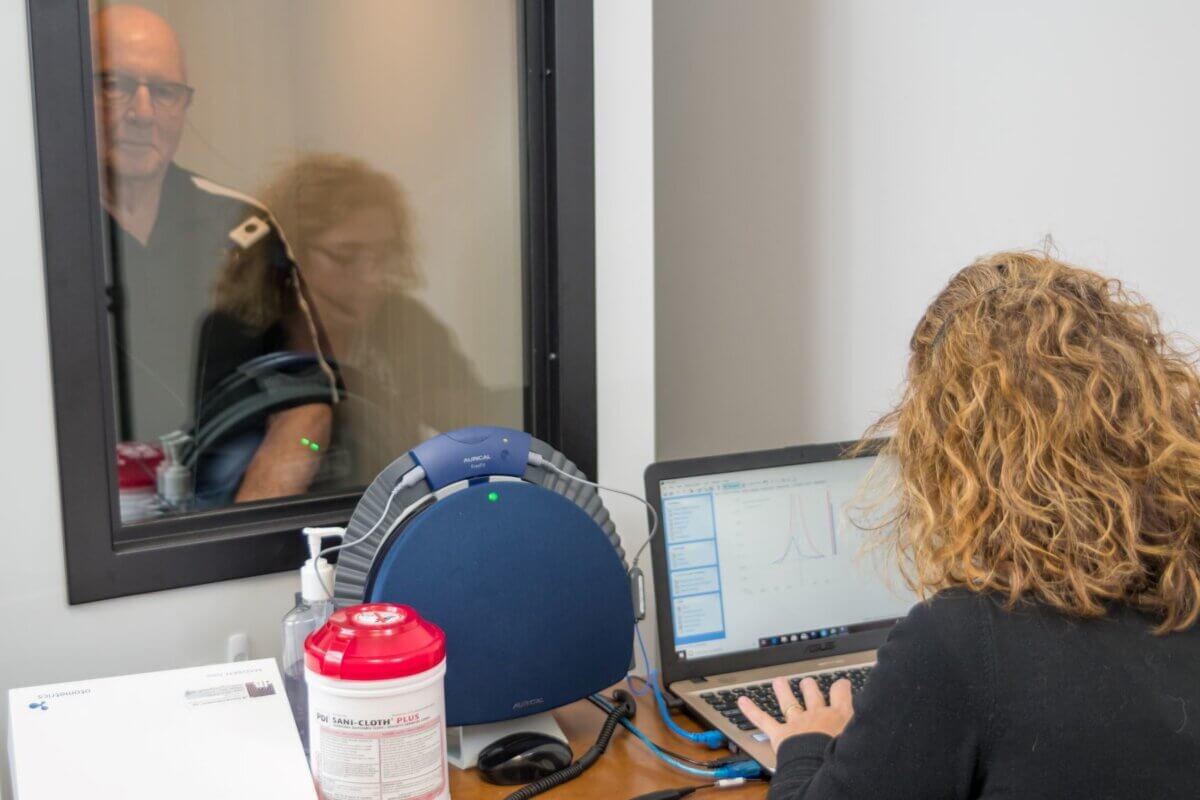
(637,629)
(740,769)
(713,740)
(645,660)
(635,692)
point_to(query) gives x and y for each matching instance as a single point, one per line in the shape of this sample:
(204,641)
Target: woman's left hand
(816,717)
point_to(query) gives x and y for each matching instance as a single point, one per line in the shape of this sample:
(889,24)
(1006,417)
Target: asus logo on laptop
(819,646)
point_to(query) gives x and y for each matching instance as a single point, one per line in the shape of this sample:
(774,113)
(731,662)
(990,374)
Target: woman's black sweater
(970,700)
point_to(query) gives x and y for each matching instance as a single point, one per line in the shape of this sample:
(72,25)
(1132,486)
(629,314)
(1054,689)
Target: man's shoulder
(211,193)
(216,192)
(244,219)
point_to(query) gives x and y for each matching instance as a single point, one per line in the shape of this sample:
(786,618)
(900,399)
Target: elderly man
(171,231)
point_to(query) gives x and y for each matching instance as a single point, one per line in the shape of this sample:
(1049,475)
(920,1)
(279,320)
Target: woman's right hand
(816,717)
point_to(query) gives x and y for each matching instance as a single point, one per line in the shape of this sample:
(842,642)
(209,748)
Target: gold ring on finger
(789,708)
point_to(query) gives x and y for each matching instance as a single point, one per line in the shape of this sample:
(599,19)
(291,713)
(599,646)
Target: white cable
(401,517)
(536,460)
(405,514)
(332,530)
(410,479)
(316,340)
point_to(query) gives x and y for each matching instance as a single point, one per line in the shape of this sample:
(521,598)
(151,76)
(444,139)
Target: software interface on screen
(769,557)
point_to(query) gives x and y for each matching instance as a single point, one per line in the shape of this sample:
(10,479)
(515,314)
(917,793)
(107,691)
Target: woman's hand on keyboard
(814,715)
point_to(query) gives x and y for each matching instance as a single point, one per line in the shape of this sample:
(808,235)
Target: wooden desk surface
(626,769)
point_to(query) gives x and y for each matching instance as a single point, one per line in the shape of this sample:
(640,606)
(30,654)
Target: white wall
(51,641)
(824,166)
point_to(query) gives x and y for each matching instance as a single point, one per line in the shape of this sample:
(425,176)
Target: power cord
(625,708)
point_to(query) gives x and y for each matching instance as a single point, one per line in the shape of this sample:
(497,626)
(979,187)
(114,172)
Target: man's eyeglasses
(119,89)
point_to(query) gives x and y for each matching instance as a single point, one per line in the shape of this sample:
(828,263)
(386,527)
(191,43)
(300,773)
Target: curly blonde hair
(312,194)
(1048,445)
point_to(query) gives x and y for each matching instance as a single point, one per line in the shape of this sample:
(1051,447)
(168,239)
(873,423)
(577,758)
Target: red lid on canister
(137,463)
(374,642)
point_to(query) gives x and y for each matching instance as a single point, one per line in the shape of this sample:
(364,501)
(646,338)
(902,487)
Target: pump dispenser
(314,605)
(316,576)
(174,477)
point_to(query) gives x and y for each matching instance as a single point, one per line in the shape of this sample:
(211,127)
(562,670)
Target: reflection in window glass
(314,220)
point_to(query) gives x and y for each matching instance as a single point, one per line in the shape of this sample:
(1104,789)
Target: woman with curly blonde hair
(352,235)
(1047,450)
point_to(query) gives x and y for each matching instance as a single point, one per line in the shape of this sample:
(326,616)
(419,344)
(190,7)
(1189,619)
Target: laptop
(760,573)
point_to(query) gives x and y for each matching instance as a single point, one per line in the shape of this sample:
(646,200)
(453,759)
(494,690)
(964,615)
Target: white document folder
(221,732)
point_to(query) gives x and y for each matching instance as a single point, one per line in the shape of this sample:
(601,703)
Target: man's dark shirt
(970,700)
(161,291)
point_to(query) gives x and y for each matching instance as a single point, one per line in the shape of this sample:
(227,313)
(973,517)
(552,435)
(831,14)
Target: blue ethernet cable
(711,739)
(738,769)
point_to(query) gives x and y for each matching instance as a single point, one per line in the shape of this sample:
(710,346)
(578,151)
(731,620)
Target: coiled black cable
(625,708)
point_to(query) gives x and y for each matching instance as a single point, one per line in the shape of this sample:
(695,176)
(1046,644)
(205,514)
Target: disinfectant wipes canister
(376,707)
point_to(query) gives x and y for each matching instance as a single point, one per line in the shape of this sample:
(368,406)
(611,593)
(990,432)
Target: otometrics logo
(40,703)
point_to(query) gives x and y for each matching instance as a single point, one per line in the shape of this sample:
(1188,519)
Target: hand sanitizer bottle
(314,604)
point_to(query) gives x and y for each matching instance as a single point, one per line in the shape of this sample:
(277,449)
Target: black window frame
(558,238)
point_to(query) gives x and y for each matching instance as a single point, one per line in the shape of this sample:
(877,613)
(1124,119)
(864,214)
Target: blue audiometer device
(491,534)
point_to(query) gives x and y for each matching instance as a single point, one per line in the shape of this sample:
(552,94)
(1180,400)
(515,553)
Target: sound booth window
(287,242)
(314,229)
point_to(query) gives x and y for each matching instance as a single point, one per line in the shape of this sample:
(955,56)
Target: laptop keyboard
(725,700)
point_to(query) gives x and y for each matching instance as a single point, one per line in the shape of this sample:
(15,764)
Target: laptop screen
(767,557)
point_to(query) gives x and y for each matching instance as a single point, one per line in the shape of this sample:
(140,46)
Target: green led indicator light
(493,496)
(305,442)
(315,447)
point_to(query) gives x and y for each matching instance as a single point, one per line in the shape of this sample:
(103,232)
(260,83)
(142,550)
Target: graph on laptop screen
(769,557)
